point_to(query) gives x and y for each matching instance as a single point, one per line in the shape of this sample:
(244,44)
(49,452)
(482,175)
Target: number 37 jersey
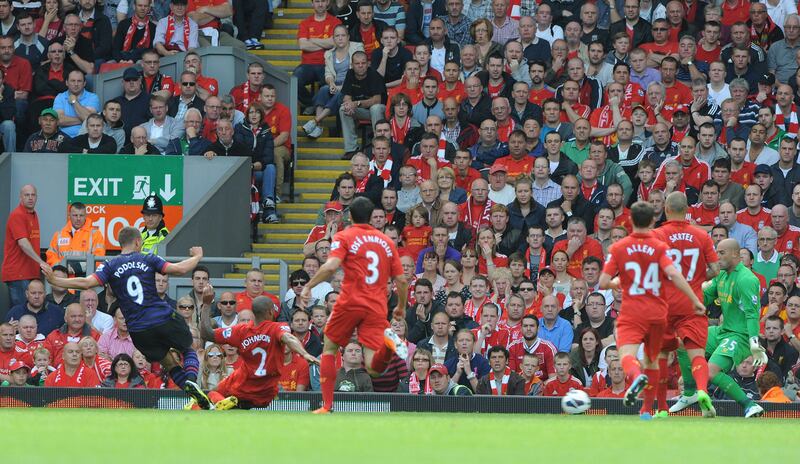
(640,260)
(132,277)
(369,259)
(691,250)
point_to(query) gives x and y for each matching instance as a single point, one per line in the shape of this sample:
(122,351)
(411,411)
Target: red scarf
(171,31)
(414,386)
(384,172)
(470,309)
(361,186)
(762,38)
(542,262)
(441,152)
(246,94)
(136,23)
(485,216)
(504,382)
(399,132)
(514,10)
(678,135)
(644,191)
(780,120)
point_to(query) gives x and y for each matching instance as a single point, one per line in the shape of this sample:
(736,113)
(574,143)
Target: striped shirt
(544,195)
(477,11)
(458,32)
(395,15)
(748,115)
(509,30)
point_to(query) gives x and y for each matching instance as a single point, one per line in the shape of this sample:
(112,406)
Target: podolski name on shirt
(135,265)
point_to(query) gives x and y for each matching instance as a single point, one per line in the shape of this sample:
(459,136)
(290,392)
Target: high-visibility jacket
(66,245)
(150,242)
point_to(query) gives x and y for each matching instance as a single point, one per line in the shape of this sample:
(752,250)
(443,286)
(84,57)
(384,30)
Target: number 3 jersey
(259,346)
(691,250)
(640,259)
(132,277)
(369,259)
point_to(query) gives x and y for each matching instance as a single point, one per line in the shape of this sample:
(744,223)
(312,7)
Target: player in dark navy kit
(155,328)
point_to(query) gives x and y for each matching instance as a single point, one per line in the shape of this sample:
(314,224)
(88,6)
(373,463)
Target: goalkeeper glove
(758,352)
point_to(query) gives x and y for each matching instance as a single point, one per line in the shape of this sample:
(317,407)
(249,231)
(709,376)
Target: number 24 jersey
(640,259)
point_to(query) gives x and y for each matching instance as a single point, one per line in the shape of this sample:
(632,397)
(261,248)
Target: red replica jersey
(640,259)
(465,182)
(744,175)
(458,92)
(590,247)
(259,346)
(21,346)
(691,250)
(317,233)
(695,174)
(789,241)
(538,96)
(702,216)
(756,221)
(608,393)
(677,96)
(555,387)
(707,56)
(423,168)
(369,259)
(295,373)
(582,110)
(544,350)
(245,301)
(517,168)
(499,337)
(12,355)
(598,384)
(84,376)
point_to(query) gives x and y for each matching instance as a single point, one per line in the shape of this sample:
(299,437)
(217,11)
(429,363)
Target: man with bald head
(553,328)
(99,320)
(28,339)
(227,310)
(477,106)
(788,240)
(74,329)
(458,234)
(21,258)
(476,211)
(48,315)
(138,144)
(573,203)
(72,372)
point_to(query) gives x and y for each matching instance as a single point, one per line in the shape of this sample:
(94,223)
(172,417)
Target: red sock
(381,359)
(700,372)
(631,367)
(327,379)
(663,380)
(215,396)
(649,390)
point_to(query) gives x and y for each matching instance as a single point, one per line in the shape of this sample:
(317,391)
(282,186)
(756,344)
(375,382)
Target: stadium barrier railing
(349,402)
(179,286)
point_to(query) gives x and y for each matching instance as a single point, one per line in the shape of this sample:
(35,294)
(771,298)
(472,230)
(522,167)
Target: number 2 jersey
(132,277)
(369,259)
(640,259)
(691,250)
(259,347)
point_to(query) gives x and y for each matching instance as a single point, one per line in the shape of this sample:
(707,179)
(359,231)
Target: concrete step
(279,34)
(266,229)
(307,218)
(284,53)
(308,174)
(296,239)
(322,156)
(284,64)
(297,207)
(319,198)
(277,248)
(314,187)
(292,259)
(287,20)
(322,142)
(321,165)
(318,150)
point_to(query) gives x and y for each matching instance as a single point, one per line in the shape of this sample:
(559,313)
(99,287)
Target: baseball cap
(440,368)
(638,106)
(766,79)
(762,169)
(17,364)
(498,167)
(547,269)
(49,112)
(681,109)
(130,74)
(333,206)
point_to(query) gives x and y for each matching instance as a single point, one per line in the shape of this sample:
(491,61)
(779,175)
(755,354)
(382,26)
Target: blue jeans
(267,180)
(325,99)
(9,132)
(307,74)
(16,291)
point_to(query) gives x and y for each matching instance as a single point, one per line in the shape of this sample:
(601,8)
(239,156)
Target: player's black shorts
(155,342)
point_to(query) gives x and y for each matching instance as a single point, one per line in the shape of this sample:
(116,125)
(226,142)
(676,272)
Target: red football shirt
(499,337)
(14,354)
(707,56)
(458,92)
(465,182)
(317,233)
(244,301)
(703,216)
(590,247)
(744,176)
(310,28)
(16,264)
(279,119)
(259,346)
(295,373)
(555,387)
(423,168)
(517,168)
(543,350)
(691,250)
(640,259)
(538,96)
(369,259)
(757,221)
(415,239)
(677,96)
(789,241)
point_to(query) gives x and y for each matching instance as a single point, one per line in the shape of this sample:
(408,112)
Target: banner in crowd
(114,187)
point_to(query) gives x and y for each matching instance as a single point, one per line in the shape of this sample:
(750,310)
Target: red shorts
(691,328)
(345,320)
(250,392)
(635,331)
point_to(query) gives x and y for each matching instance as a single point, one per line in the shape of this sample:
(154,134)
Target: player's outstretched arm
(188,264)
(294,344)
(401,283)
(681,284)
(712,270)
(608,283)
(77,283)
(324,273)
(206,327)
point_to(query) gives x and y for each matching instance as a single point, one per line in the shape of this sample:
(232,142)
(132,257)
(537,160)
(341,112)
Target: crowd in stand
(507,140)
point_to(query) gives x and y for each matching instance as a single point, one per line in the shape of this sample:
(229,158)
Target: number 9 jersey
(369,259)
(640,259)
(132,277)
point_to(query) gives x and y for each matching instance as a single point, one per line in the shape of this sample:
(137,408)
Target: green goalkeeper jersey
(739,298)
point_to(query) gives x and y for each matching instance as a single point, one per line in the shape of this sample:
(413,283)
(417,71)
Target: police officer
(154,230)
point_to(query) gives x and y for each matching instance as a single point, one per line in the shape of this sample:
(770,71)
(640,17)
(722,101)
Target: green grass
(175,437)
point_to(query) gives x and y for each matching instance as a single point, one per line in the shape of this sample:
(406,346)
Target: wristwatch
(471,375)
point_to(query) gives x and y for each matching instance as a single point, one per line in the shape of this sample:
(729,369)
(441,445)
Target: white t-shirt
(102,322)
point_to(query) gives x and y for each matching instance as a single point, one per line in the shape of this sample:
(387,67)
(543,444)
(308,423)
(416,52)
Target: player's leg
(669,345)
(176,335)
(687,363)
(652,347)
(633,370)
(725,358)
(327,373)
(379,348)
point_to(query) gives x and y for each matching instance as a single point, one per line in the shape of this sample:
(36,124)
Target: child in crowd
(417,236)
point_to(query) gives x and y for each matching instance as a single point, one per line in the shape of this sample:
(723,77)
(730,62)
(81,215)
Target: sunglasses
(188,84)
(299,282)
(186,306)
(214,355)
(228,302)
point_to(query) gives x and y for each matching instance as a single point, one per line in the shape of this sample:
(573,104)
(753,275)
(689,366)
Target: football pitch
(151,436)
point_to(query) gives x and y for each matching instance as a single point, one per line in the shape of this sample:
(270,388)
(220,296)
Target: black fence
(347,402)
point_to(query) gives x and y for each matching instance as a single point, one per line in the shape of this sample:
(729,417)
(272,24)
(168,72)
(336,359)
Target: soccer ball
(576,402)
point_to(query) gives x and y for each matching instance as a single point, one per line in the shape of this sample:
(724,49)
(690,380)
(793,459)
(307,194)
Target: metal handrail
(255,261)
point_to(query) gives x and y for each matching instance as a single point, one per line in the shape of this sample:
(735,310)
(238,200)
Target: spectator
(418,22)
(187,98)
(364,96)
(48,81)
(60,296)
(134,34)
(744,234)
(162,285)
(79,49)
(176,32)
(95,27)
(393,14)
(76,104)
(17,74)
(249,17)
(501,380)
(294,372)
(552,328)
(21,260)
(206,86)
(781,55)
(441,383)
(50,139)
(8,351)
(72,372)
(617,386)
(139,144)
(529,342)
(779,351)
(253,287)
(124,373)
(769,386)
(278,118)
(390,59)
(416,384)
(586,356)
(75,241)
(249,92)
(94,140)
(161,128)
(101,366)
(255,134)
(352,377)
(314,36)
(18,373)
(211,31)
(597,320)
(111,126)
(29,45)
(563,381)
(98,320)
(212,368)
(578,246)
(226,306)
